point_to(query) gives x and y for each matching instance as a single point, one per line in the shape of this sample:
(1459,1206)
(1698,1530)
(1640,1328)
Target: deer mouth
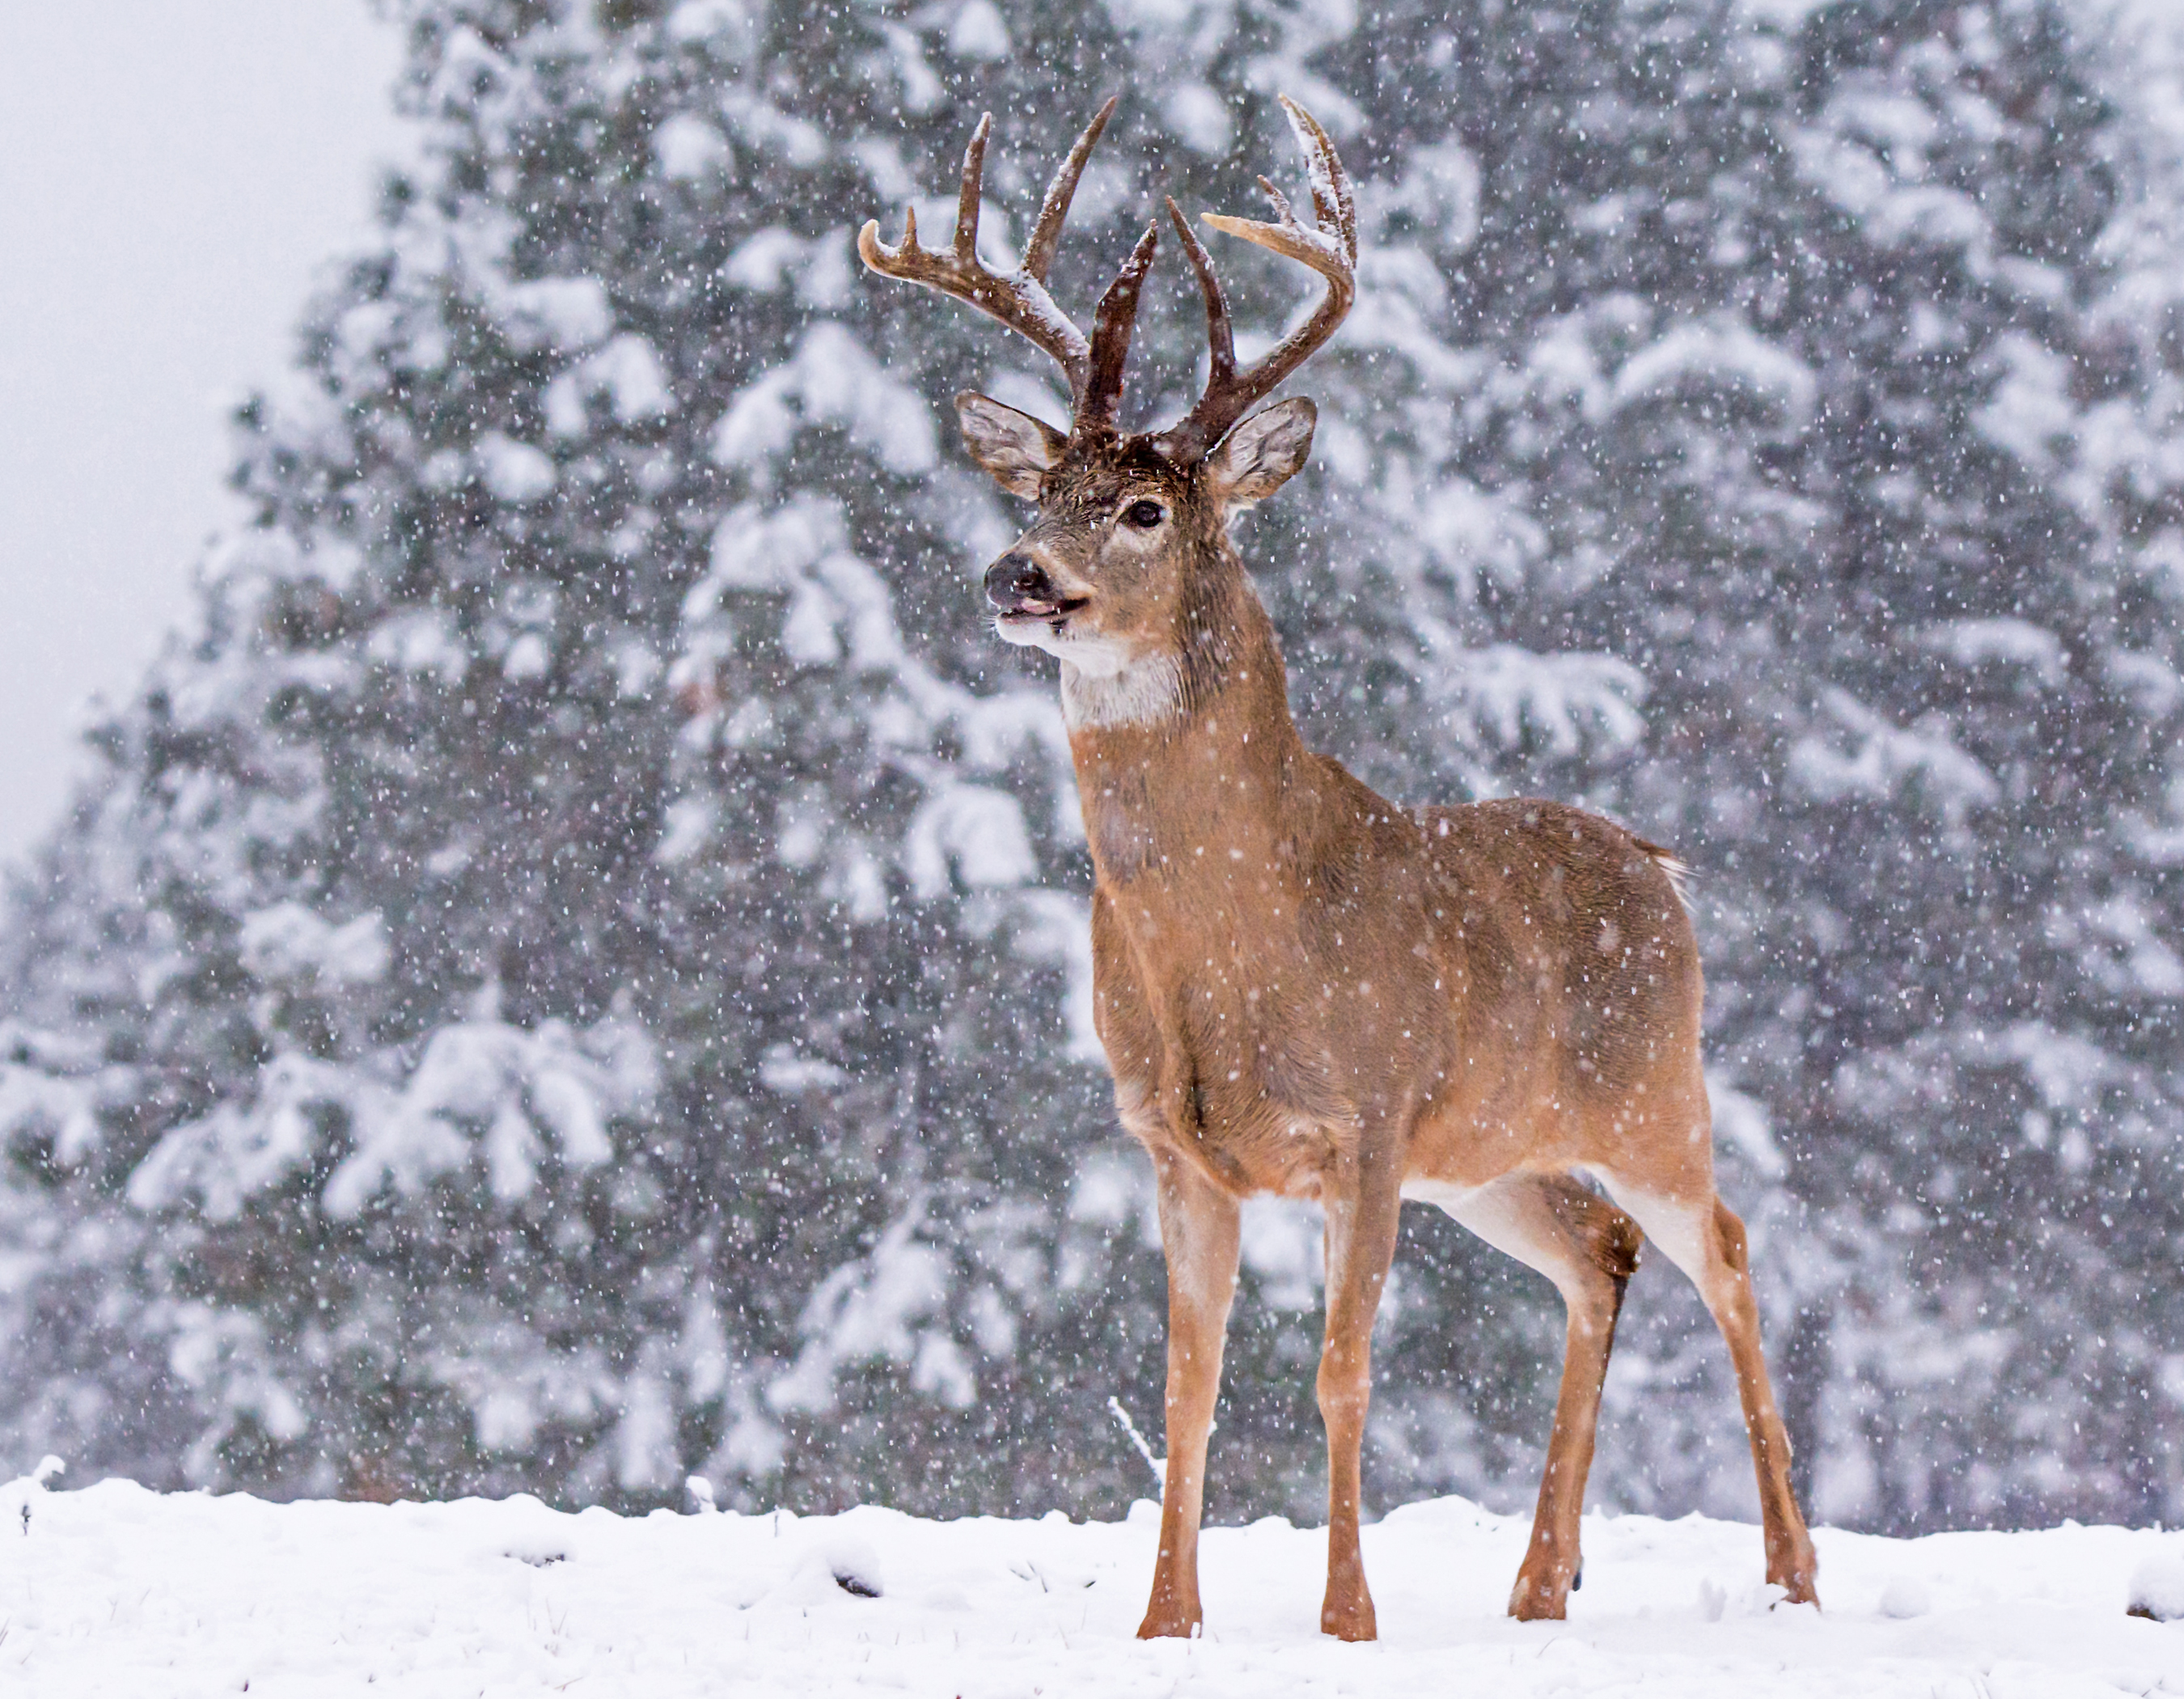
(1026,614)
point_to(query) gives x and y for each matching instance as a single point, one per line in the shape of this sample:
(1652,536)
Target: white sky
(172,172)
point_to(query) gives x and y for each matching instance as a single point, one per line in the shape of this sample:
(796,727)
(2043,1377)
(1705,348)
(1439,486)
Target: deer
(1304,991)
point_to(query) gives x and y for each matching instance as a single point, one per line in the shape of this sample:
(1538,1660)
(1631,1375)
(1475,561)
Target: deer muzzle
(1019,587)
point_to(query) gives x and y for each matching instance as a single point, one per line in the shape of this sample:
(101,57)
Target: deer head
(1130,552)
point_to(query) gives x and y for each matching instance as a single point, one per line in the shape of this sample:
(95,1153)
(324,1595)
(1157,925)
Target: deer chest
(1221,1042)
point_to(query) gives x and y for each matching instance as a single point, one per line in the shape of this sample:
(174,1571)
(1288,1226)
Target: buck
(1306,991)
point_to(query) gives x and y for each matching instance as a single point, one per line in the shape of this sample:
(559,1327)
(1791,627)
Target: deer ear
(1261,454)
(1015,449)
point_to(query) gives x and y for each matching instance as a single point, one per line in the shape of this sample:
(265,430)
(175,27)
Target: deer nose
(1015,583)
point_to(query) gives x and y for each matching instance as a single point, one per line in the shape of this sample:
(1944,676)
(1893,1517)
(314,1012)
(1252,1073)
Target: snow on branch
(890,1303)
(36,1101)
(1886,757)
(290,943)
(494,1090)
(483,1091)
(1722,355)
(829,381)
(1558,697)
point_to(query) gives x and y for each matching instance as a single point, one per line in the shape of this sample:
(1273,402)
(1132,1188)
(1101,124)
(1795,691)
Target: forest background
(573,972)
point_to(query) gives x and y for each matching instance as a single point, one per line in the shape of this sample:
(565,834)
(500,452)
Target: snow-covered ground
(117,1591)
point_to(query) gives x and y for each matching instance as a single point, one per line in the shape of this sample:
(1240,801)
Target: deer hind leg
(1699,1235)
(1361,1245)
(1588,1248)
(1199,1233)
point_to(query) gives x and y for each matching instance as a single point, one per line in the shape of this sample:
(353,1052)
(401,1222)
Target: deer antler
(1019,299)
(1330,249)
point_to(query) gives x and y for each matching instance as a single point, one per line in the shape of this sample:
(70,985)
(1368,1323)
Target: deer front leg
(1360,1243)
(1199,1234)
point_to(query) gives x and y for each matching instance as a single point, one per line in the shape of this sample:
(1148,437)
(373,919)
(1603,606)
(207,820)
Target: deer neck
(1188,763)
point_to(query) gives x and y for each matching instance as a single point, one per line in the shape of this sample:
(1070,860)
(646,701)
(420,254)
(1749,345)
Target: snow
(1896,213)
(1056,927)
(687,145)
(976,830)
(1725,355)
(485,1072)
(426,641)
(114,1589)
(2002,642)
(798,141)
(1200,119)
(1283,1243)
(32,1098)
(480,1088)
(2157,1588)
(830,381)
(979,32)
(1954,782)
(1741,1121)
(239,1149)
(289,942)
(563,313)
(1560,697)
(761,262)
(695,19)
(789,1073)
(1905,1597)
(528,658)
(869,1310)
(628,369)
(2031,414)
(1439,189)
(516,472)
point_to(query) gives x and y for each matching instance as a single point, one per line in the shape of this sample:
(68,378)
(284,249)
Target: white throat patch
(1104,681)
(1141,692)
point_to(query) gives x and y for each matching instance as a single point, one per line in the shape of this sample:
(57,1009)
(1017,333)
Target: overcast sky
(172,173)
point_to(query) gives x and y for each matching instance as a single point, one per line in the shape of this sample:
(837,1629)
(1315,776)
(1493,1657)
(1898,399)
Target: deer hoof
(1539,1601)
(1796,1574)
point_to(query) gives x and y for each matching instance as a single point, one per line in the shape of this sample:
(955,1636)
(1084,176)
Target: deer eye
(1144,515)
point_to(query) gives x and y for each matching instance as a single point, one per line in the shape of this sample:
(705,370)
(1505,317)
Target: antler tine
(1018,300)
(1220,335)
(1331,197)
(1330,248)
(968,197)
(1111,324)
(1054,209)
